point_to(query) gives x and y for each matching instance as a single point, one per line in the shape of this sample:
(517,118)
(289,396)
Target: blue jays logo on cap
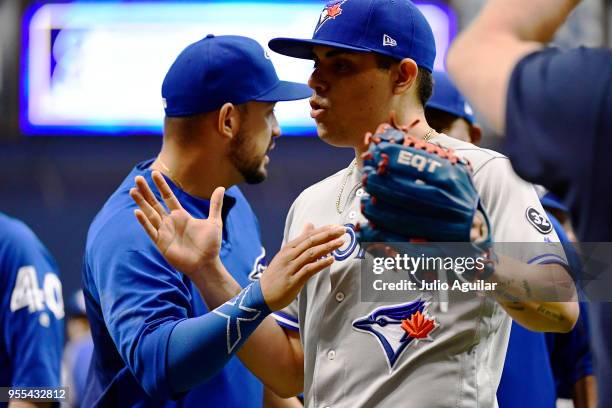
(332,10)
(395,327)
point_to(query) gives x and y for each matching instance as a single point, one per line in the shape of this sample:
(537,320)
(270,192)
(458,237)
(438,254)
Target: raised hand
(192,245)
(297,261)
(189,244)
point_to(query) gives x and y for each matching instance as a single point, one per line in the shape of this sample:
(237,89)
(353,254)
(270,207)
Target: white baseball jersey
(356,354)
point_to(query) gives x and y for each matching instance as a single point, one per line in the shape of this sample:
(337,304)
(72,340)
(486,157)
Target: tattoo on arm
(551,314)
(527,289)
(516,306)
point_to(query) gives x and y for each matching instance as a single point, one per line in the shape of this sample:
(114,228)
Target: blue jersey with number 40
(31,310)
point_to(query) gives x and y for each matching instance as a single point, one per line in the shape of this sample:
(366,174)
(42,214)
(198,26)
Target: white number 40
(28,294)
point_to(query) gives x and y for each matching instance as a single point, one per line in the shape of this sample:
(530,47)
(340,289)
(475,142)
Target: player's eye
(341,66)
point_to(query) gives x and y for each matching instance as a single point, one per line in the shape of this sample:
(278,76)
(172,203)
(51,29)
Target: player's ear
(475,134)
(228,122)
(405,76)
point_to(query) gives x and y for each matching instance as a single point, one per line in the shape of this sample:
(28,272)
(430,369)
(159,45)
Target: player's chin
(258,175)
(325,133)
(333,138)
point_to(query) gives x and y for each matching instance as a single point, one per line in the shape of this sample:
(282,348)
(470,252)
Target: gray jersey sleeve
(516,214)
(288,317)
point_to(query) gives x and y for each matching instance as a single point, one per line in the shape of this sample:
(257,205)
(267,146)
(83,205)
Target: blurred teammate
(448,112)
(554,108)
(155,338)
(570,353)
(78,349)
(31,312)
(539,368)
(372,57)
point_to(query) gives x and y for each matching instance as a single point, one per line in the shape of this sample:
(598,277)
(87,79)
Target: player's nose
(276,129)
(317,82)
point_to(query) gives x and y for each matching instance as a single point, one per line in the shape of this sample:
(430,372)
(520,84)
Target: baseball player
(448,112)
(78,349)
(32,312)
(570,353)
(539,367)
(373,57)
(155,339)
(554,107)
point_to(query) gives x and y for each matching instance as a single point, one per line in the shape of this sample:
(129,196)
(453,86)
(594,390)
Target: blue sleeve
(33,309)
(209,341)
(558,112)
(142,299)
(570,355)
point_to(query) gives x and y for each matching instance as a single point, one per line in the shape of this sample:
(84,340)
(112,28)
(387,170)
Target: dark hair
(183,127)
(424,78)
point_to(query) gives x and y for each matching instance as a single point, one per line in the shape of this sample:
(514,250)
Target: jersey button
(353,215)
(339,296)
(359,192)
(331,354)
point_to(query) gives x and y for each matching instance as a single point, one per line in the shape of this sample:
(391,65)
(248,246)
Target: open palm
(187,243)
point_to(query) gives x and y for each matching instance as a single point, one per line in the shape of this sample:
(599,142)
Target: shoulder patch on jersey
(539,221)
(259,266)
(395,327)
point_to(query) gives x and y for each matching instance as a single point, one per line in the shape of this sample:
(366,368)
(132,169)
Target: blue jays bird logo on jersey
(332,10)
(395,327)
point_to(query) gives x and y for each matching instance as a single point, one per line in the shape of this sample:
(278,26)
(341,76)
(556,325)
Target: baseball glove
(418,192)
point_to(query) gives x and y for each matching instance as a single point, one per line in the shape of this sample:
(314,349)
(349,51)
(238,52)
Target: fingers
(308,231)
(216,204)
(315,253)
(147,211)
(146,224)
(147,194)
(308,228)
(308,270)
(319,236)
(164,189)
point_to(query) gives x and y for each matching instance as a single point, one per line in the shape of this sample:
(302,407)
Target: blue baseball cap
(221,69)
(446,97)
(76,304)
(395,28)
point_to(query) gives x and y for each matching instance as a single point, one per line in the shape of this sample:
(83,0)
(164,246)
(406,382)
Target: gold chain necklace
(432,133)
(349,173)
(169,173)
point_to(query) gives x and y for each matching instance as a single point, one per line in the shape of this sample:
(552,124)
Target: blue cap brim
(285,91)
(302,48)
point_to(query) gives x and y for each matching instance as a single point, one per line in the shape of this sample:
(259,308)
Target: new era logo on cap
(388,41)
